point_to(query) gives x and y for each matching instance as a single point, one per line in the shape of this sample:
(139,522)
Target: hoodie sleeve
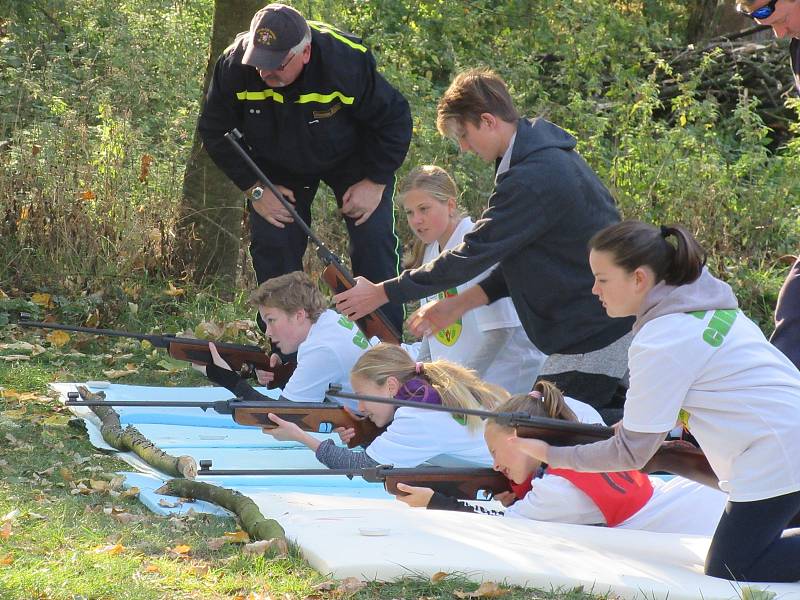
(523,207)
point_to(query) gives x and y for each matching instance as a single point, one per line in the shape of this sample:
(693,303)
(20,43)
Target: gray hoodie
(631,449)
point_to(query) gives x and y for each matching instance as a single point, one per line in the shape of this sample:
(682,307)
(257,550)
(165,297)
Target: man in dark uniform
(784,18)
(312,106)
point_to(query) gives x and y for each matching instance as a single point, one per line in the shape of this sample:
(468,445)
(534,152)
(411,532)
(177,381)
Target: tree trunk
(131,439)
(211,224)
(711,18)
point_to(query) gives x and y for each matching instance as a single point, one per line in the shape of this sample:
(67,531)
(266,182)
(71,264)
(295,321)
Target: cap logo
(264,36)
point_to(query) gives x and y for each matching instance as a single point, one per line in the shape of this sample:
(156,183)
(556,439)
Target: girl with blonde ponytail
(412,436)
(489,339)
(629,499)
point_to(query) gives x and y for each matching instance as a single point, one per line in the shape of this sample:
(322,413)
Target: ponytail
(634,244)
(545,400)
(457,386)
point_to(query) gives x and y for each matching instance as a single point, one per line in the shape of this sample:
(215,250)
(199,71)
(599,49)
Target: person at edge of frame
(312,107)
(546,205)
(784,18)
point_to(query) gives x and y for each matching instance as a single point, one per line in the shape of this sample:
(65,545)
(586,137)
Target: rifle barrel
(92,330)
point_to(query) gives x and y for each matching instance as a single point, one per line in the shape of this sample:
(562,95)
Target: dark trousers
(374,246)
(786,336)
(748,544)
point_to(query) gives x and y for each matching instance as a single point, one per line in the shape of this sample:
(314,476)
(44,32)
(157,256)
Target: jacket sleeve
(495,286)
(218,116)
(384,116)
(515,218)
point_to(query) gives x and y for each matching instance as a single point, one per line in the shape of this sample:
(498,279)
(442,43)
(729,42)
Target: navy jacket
(339,106)
(540,217)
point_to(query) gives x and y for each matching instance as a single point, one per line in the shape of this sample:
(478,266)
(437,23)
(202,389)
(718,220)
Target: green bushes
(90,90)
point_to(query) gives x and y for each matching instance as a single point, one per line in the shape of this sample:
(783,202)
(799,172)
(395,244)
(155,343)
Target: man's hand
(361,199)
(418,497)
(435,315)
(271,209)
(505,498)
(265,377)
(363,298)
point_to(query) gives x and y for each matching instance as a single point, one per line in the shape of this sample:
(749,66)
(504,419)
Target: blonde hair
(437,183)
(471,94)
(550,404)
(457,386)
(290,293)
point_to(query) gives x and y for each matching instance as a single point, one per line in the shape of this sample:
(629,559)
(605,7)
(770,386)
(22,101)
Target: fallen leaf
(112,549)
(130,493)
(438,576)
(3,295)
(18,396)
(117,373)
(88,195)
(167,504)
(237,537)
(58,338)
(10,516)
(208,329)
(6,560)
(16,413)
(98,485)
(151,568)
(276,545)
(488,589)
(15,357)
(144,168)
(66,474)
(34,349)
(57,421)
(173,291)
(5,530)
(199,570)
(125,518)
(181,550)
(93,320)
(44,300)
(216,543)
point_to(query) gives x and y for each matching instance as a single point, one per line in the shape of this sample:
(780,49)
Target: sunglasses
(765,12)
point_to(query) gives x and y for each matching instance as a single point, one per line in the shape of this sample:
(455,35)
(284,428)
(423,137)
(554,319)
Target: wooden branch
(250,517)
(131,439)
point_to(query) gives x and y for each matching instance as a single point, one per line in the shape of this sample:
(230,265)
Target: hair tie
(665,231)
(418,368)
(535,394)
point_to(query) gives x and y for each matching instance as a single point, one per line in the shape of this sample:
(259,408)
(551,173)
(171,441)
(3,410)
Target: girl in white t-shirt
(628,499)
(697,360)
(489,339)
(412,436)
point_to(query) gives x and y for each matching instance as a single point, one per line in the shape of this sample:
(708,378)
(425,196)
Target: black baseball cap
(274,30)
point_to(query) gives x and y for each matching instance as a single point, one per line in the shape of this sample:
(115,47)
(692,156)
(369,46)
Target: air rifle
(316,417)
(243,359)
(463,483)
(335,274)
(676,457)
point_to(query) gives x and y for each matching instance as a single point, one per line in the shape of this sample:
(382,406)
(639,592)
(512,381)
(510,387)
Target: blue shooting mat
(207,435)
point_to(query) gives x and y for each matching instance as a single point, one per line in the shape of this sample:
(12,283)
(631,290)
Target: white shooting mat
(334,520)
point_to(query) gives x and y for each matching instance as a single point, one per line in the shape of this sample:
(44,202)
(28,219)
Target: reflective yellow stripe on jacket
(328,29)
(262,95)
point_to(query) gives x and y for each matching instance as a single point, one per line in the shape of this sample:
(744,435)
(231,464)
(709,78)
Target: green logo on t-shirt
(719,325)
(359,339)
(450,334)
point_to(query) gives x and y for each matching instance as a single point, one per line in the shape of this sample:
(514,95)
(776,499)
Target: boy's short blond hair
(290,293)
(471,94)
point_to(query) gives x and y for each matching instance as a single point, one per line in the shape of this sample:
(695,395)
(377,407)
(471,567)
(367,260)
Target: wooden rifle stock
(317,419)
(469,484)
(335,273)
(463,483)
(374,324)
(241,358)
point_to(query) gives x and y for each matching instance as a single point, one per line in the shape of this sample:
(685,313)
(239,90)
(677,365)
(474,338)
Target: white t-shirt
(326,356)
(418,436)
(677,506)
(518,361)
(737,394)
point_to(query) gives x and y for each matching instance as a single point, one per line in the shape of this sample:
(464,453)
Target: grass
(62,544)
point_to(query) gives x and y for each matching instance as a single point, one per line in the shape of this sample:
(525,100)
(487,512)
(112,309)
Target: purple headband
(418,390)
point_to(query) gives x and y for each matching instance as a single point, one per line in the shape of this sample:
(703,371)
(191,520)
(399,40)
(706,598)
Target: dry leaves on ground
(488,589)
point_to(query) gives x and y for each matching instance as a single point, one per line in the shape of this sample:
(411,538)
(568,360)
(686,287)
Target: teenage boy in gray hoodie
(546,205)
